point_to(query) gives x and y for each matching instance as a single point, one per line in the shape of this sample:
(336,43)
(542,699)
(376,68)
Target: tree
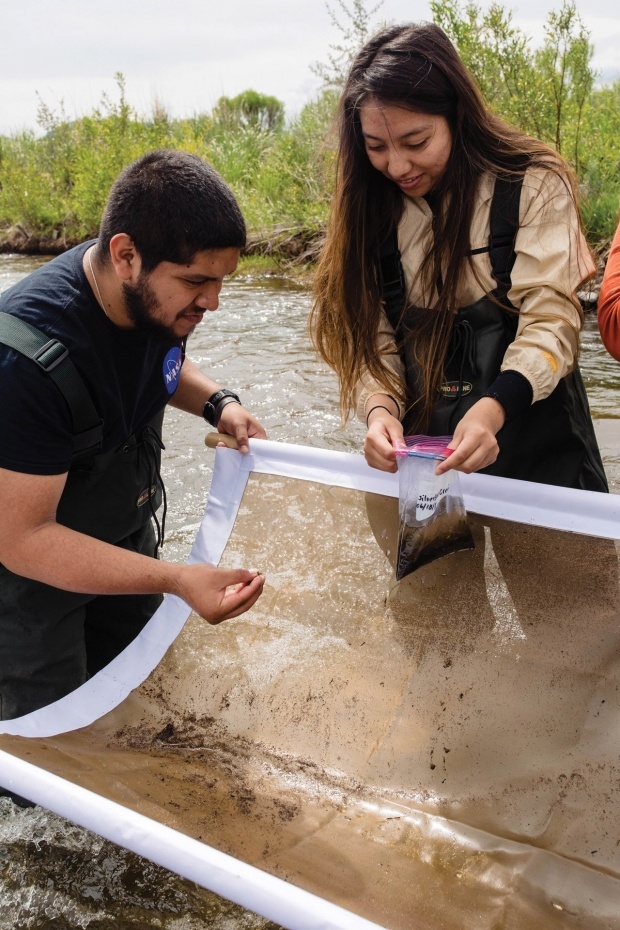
(497,55)
(544,92)
(250,109)
(568,79)
(355,30)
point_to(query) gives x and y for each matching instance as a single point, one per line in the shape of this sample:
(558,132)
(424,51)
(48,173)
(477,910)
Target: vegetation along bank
(53,182)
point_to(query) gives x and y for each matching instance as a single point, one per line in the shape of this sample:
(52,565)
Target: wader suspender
(53,357)
(393,287)
(504,224)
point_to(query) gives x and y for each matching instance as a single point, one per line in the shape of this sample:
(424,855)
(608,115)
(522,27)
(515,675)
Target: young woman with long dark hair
(445,296)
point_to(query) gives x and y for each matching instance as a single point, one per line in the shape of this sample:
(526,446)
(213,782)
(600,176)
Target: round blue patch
(172,369)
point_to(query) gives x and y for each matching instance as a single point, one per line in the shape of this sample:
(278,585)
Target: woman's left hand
(474,442)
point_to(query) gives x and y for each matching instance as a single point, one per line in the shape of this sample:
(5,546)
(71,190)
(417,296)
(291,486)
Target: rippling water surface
(56,875)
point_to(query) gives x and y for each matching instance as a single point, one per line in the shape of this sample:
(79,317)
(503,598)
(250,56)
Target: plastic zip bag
(433,520)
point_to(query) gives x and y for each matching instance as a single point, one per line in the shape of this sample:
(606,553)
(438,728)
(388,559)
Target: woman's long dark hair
(415,67)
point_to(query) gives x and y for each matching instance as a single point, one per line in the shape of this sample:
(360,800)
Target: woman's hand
(385,433)
(474,442)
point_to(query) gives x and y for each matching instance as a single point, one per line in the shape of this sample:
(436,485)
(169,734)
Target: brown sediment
(447,531)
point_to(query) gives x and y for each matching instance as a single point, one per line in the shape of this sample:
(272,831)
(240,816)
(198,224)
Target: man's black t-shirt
(130,376)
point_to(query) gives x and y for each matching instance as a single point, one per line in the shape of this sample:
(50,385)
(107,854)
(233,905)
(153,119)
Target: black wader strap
(392,279)
(504,223)
(53,357)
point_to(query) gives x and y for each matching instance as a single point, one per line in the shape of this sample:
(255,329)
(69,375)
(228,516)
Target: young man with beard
(92,348)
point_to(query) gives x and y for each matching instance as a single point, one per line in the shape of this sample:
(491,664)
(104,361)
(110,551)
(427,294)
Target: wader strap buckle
(50,355)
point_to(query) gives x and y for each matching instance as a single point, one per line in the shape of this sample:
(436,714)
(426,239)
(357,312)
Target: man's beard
(141,307)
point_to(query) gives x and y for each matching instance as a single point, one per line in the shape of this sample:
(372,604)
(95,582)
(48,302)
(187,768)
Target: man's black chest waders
(553,442)
(108,495)
(52,640)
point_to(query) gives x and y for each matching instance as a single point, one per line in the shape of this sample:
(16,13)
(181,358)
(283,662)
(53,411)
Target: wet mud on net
(438,753)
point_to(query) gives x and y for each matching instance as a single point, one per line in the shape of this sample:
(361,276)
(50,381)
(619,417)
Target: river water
(56,875)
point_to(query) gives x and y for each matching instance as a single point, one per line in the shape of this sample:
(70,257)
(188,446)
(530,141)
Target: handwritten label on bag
(431,492)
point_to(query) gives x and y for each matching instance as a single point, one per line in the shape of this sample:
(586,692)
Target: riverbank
(284,252)
(293,244)
(281,250)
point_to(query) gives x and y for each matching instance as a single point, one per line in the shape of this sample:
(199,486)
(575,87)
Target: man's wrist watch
(212,410)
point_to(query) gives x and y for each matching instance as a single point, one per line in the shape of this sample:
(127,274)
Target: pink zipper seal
(435,447)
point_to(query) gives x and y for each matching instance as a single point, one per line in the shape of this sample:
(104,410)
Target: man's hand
(218,594)
(195,388)
(385,433)
(237,422)
(474,442)
(34,545)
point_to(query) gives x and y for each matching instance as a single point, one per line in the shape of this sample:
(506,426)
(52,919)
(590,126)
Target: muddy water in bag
(433,521)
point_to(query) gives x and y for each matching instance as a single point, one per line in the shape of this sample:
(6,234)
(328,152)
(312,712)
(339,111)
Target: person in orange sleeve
(609,301)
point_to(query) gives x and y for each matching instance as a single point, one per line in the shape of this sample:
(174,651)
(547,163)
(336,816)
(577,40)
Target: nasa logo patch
(172,369)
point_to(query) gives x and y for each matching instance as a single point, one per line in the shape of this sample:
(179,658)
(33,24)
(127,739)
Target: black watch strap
(214,406)
(221,405)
